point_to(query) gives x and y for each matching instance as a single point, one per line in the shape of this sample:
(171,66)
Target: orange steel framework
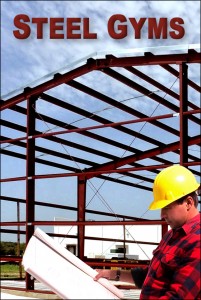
(112,67)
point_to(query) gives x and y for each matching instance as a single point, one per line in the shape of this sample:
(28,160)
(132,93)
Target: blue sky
(25,61)
(31,57)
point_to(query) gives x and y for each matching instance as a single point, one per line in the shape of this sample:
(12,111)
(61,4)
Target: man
(174,271)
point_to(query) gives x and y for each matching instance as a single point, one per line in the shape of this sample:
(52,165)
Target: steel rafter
(91,156)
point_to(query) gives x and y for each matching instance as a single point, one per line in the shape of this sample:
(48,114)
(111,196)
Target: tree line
(12,248)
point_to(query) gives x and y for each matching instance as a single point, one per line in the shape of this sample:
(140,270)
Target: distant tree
(10,248)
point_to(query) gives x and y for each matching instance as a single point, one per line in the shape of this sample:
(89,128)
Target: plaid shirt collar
(188,226)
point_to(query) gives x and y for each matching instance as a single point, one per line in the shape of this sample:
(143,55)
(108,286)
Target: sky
(24,61)
(31,57)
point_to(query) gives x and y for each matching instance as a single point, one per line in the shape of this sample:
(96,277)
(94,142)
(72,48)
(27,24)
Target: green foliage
(11,248)
(11,270)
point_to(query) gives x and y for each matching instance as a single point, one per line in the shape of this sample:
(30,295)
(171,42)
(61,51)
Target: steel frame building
(172,136)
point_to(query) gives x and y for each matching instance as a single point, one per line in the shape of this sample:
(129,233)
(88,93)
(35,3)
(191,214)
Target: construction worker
(174,271)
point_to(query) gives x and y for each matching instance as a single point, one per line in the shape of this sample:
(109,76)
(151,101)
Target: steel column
(18,238)
(81,202)
(183,77)
(164,228)
(30,182)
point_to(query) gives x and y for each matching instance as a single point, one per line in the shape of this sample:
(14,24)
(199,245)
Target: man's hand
(105,273)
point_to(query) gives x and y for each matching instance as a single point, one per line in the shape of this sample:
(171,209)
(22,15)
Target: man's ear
(189,202)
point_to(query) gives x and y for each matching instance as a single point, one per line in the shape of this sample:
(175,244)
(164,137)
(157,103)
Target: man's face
(175,214)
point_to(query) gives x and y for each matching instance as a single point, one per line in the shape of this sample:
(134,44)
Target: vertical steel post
(164,229)
(30,183)
(81,203)
(183,97)
(124,243)
(18,238)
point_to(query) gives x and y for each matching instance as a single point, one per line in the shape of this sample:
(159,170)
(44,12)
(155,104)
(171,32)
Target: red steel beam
(176,73)
(159,85)
(124,129)
(81,203)
(62,124)
(116,104)
(90,174)
(114,124)
(147,59)
(11,258)
(86,237)
(27,290)
(183,87)
(66,207)
(77,171)
(98,118)
(57,80)
(146,154)
(21,223)
(118,264)
(109,156)
(190,57)
(147,93)
(78,130)
(92,238)
(104,121)
(30,184)
(164,229)
(85,223)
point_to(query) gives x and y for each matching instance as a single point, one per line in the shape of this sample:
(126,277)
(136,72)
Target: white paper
(64,273)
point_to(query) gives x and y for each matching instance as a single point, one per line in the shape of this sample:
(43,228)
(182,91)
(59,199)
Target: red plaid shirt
(174,271)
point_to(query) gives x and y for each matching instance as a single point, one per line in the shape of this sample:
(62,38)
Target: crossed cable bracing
(95,190)
(90,184)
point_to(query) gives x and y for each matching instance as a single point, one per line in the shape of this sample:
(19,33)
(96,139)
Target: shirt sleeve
(139,275)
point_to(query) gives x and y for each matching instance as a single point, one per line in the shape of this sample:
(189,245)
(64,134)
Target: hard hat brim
(159,204)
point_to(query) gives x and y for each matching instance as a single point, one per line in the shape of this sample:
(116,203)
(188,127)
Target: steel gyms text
(118,27)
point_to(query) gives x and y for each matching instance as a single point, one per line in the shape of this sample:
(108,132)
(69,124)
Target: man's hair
(194,195)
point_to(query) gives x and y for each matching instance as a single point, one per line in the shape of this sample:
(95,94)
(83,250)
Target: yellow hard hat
(171,184)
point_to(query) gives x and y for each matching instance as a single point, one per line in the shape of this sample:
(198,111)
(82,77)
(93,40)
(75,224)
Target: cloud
(27,60)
